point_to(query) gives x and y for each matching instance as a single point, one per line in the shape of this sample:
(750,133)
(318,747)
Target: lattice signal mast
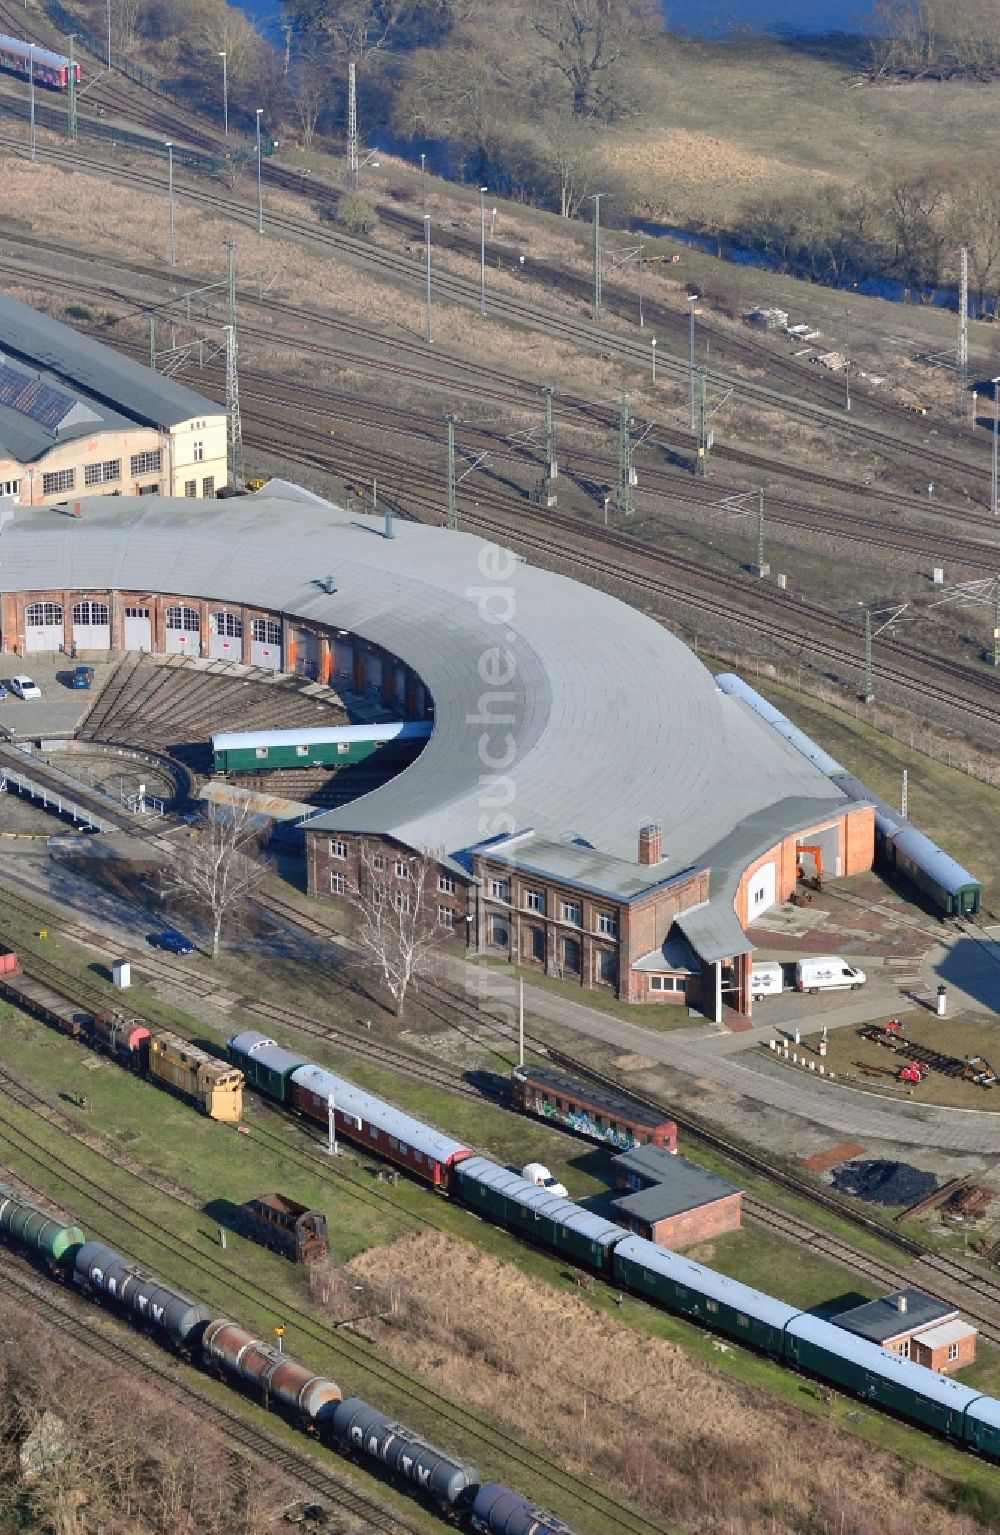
(962,369)
(352,123)
(235,425)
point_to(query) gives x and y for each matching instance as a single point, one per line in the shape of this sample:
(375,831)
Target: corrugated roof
(881,1363)
(96,372)
(684,1271)
(355,1102)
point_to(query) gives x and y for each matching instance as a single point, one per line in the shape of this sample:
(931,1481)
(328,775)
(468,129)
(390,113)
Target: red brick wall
(321,863)
(937,1359)
(701,1225)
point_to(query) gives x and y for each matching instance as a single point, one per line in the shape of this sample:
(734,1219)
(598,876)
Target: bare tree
(397,928)
(218,869)
(585,43)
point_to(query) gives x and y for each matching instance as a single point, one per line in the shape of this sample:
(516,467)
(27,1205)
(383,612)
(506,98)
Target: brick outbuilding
(914,1326)
(671,1201)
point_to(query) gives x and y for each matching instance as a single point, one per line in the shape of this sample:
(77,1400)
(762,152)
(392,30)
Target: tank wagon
(264,751)
(45,1236)
(668,1279)
(365,1431)
(99,1270)
(265,1371)
(310,1400)
(164,1057)
(899,844)
(46,68)
(611,1118)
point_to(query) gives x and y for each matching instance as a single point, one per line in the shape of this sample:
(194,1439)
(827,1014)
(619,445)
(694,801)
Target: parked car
(173,942)
(25,688)
(3,692)
(82,677)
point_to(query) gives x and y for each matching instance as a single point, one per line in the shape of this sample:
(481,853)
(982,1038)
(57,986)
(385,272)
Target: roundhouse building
(592,803)
(77,418)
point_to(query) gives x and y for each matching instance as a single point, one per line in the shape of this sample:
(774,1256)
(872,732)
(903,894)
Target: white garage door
(138,630)
(43,626)
(91,626)
(226,636)
(760,894)
(183,631)
(265,643)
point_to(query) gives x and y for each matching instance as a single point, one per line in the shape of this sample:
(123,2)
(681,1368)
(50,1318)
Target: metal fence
(58,121)
(98,46)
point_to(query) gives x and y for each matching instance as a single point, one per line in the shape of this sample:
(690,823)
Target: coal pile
(884,1183)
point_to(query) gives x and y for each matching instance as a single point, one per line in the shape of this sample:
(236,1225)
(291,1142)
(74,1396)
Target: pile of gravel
(884,1183)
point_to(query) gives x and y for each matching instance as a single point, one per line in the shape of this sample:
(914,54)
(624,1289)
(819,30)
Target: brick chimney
(651,843)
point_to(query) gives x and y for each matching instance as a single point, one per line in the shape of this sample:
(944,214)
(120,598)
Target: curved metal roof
(558,710)
(705,1281)
(879,1361)
(391,730)
(369,1110)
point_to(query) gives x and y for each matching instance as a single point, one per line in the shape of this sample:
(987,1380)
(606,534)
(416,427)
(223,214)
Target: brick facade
(340,863)
(692,1226)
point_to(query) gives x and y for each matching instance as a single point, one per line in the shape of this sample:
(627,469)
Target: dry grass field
(652,1426)
(715,124)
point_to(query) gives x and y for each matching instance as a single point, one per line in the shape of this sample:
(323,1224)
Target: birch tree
(218,869)
(397,928)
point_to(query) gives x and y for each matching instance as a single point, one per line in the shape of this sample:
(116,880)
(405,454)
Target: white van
(827,972)
(538,1174)
(766,981)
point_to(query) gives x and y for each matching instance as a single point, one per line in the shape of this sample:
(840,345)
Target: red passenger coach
(613,1118)
(370,1122)
(47,68)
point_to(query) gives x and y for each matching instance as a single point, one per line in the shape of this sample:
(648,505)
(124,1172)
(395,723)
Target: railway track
(352,1351)
(464,291)
(952,1280)
(73,1320)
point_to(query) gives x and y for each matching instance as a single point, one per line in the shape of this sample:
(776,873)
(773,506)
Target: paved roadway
(739,1064)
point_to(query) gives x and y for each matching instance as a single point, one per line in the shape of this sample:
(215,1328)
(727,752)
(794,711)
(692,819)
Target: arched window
(183,618)
(90,613)
(228,624)
(266,630)
(39,614)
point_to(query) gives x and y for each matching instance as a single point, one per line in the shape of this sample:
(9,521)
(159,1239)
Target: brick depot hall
(594,805)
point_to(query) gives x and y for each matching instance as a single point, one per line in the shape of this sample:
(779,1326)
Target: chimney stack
(388,523)
(651,843)
(901,1303)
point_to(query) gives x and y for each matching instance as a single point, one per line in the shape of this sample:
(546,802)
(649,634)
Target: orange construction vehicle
(814,848)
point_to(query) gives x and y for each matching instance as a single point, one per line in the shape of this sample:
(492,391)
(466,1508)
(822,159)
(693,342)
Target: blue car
(174,943)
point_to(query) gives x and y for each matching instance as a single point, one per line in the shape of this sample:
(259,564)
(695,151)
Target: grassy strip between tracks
(212,1162)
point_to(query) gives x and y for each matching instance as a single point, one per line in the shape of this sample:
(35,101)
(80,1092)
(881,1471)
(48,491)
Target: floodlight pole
(71,127)
(869,669)
(171,237)
(31,94)
(451,506)
(996,430)
(260,199)
(692,300)
(427,247)
(597,256)
(223,55)
(482,250)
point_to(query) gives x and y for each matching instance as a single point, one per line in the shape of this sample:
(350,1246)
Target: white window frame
(199,452)
(402,868)
(500,890)
(150,462)
(338,847)
(446,885)
(571,912)
(338,882)
(607,923)
(401,900)
(59,480)
(446,918)
(534,900)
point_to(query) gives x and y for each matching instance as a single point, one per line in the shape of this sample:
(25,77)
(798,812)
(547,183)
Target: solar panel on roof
(30,397)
